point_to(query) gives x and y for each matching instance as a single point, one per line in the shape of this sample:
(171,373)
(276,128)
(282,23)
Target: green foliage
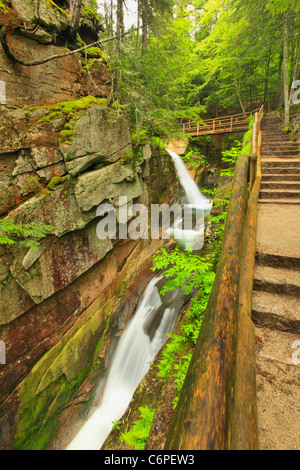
(190,271)
(194,159)
(170,353)
(246,146)
(157,143)
(183,268)
(181,370)
(152,81)
(137,437)
(26,235)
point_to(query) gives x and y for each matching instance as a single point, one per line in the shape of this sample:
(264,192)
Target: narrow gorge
(144,157)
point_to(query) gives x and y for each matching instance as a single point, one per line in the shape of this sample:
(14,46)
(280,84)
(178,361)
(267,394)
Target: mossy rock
(55,181)
(58,375)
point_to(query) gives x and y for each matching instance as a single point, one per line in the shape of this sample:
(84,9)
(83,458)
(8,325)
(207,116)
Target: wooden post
(231,122)
(203,414)
(214,125)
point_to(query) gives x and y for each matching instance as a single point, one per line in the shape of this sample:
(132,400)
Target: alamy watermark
(2,92)
(296,353)
(295,99)
(2,353)
(125,220)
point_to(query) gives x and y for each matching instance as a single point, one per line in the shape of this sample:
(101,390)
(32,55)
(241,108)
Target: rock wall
(64,151)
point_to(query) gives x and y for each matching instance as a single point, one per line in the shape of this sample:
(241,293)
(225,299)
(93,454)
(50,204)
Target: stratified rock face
(64,151)
(41,23)
(52,20)
(61,305)
(94,143)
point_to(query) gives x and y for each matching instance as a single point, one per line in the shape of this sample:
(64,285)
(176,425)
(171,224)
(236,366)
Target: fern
(137,437)
(26,235)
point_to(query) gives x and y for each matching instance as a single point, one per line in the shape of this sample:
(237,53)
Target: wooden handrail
(217,125)
(216,409)
(244,433)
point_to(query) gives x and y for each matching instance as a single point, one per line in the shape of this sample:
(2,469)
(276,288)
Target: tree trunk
(144,18)
(267,76)
(76,12)
(295,71)
(286,72)
(120,24)
(279,79)
(238,93)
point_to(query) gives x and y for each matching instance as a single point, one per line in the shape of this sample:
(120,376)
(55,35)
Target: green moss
(91,14)
(55,181)
(66,135)
(68,110)
(54,5)
(55,378)
(95,53)
(4,6)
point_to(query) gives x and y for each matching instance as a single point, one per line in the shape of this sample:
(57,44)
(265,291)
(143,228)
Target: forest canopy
(184,59)
(201,59)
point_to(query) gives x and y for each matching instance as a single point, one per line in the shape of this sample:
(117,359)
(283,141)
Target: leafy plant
(183,268)
(26,235)
(179,376)
(137,437)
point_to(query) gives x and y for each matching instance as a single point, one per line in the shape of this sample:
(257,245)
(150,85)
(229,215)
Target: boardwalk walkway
(220,125)
(275,305)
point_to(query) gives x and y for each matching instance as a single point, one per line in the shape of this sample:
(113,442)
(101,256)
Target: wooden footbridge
(219,125)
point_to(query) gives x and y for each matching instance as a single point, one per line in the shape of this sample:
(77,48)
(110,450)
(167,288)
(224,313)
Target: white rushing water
(197,203)
(145,334)
(138,346)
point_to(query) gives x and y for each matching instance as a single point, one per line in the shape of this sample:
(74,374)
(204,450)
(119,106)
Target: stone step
(287,143)
(274,139)
(278,311)
(274,260)
(266,149)
(283,177)
(283,163)
(280,153)
(280,185)
(274,131)
(276,280)
(285,170)
(277,193)
(291,201)
(282,157)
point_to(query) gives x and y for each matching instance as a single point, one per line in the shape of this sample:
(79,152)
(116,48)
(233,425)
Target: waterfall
(191,238)
(144,335)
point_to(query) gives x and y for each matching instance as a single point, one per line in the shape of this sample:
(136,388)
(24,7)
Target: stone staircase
(280,166)
(276,289)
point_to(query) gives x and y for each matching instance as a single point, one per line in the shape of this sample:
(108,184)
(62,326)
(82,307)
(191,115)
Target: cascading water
(145,334)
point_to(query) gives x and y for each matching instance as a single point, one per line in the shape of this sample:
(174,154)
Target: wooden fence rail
(217,406)
(221,125)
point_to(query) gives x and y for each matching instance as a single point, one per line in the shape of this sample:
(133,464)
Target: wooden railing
(220,125)
(217,406)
